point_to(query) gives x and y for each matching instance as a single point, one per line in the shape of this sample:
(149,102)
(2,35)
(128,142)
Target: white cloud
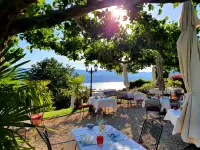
(147,69)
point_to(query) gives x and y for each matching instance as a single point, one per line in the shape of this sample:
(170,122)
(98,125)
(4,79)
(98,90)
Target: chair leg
(82,112)
(75,146)
(146,115)
(25,134)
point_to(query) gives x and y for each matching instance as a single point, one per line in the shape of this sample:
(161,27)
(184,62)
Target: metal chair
(153,105)
(139,98)
(150,134)
(44,135)
(174,103)
(124,97)
(91,111)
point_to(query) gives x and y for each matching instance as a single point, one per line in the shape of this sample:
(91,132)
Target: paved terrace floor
(129,122)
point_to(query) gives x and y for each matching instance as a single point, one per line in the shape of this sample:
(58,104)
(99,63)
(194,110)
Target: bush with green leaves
(138,83)
(173,83)
(18,99)
(145,87)
(63,80)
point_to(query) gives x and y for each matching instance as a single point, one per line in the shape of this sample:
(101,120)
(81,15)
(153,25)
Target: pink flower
(176,77)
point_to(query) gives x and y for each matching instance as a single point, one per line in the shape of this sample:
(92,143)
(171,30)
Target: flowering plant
(176,77)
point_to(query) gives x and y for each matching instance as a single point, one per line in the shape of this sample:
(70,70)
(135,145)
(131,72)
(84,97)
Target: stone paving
(129,120)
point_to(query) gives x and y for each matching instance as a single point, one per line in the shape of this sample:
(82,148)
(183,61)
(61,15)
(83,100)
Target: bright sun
(118,13)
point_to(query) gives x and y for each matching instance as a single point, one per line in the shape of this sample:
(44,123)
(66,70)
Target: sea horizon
(105,85)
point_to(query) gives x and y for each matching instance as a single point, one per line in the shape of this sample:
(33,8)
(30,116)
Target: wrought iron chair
(150,134)
(139,98)
(174,103)
(153,106)
(124,97)
(44,135)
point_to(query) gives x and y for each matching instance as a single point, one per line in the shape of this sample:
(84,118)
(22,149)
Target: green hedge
(138,83)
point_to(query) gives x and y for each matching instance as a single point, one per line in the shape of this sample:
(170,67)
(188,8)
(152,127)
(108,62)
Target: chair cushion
(129,98)
(36,116)
(86,105)
(78,107)
(140,100)
(153,108)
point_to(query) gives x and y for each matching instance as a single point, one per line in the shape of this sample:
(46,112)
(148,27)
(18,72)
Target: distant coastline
(103,76)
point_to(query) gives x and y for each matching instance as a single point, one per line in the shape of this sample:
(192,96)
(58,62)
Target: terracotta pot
(36,119)
(37,122)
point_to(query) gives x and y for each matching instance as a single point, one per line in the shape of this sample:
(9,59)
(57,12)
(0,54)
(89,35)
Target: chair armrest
(63,142)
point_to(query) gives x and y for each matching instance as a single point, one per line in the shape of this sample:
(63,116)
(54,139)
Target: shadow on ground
(129,120)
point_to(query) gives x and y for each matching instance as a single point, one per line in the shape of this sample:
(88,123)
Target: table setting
(112,139)
(103,137)
(102,102)
(164,101)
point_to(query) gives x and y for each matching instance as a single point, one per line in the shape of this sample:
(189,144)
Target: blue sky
(38,55)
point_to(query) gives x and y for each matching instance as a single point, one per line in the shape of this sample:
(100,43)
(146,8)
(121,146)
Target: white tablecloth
(139,96)
(124,144)
(172,115)
(165,104)
(136,96)
(104,102)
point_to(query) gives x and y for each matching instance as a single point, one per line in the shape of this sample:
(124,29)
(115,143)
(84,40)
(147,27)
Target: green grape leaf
(176,5)
(159,11)
(151,7)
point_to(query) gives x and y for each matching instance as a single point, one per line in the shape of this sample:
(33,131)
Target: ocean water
(103,79)
(106,76)
(106,85)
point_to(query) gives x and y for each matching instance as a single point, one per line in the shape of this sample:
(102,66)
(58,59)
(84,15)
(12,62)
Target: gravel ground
(129,120)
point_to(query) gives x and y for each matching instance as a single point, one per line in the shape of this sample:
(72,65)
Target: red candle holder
(159,97)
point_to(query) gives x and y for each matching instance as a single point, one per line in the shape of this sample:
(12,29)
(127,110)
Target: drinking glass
(99,119)
(99,139)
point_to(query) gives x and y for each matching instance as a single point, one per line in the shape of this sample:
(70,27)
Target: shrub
(138,83)
(173,83)
(145,87)
(63,80)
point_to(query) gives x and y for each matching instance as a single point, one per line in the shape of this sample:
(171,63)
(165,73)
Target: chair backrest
(110,93)
(151,134)
(155,103)
(44,135)
(121,94)
(140,96)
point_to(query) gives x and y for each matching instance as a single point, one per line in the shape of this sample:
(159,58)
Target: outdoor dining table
(165,104)
(136,96)
(172,115)
(102,102)
(124,143)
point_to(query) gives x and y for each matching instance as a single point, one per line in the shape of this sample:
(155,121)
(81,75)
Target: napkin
(87,140)
(113,133)
(117,146)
